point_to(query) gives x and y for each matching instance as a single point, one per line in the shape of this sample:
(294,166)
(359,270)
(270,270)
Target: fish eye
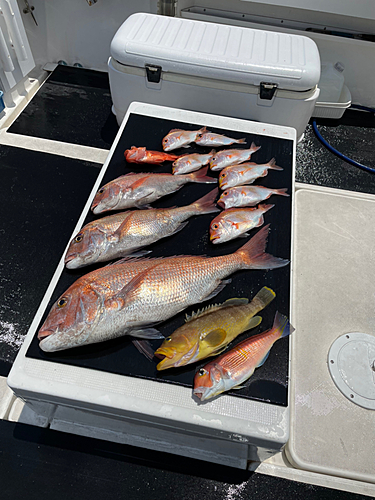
(202,372)
(225,193)
(168,339)
(213,158)
(101,190)
(78,238)
(223,175)
(62,302)
(215,226)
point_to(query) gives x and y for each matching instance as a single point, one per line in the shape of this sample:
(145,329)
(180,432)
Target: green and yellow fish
(208,332)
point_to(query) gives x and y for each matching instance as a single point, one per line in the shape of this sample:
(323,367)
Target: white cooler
(214,68)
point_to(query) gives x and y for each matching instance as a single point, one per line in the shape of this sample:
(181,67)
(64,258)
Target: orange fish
(142,155)
(231,369)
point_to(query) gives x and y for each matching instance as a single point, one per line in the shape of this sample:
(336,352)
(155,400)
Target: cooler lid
(218,51)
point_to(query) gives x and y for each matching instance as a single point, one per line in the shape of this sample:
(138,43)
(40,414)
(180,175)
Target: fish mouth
(166,357)
(221,203)
(42,334)
(215,239)
(69,261)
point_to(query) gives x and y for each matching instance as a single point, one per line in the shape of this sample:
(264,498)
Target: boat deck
(51,157)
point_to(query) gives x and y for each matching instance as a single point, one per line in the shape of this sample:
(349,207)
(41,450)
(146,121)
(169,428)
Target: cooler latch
(267,90)
(153,73)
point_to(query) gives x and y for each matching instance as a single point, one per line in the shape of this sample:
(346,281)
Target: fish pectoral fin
(215,338)
(263,360)
(253,322)
(146,333)
(144,347)
(236,387)
(180,227)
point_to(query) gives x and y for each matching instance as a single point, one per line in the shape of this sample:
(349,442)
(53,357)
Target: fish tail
(281,191)
(265,296)
(242,141)
(253,253)
(254,147)
(265,207)
(200,176)
(272,165)
(281,324)
(207,205)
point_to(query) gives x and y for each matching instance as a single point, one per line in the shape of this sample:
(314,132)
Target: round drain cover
(351,362)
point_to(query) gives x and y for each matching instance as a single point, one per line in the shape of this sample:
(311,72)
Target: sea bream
(123,233)
(189,163)
(247,196)
(178,138)
(228,157)
(235,222)
(216,140)
(166,287)
(246,173)
(233,368)
(143,155)
(138,190)
(208,332)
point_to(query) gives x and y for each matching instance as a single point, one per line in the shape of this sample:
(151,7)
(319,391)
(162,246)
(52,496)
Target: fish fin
(237,387)
(253,322)
(123,227)
(175,130)
(244,235)
(185,146)
(138,182)
(272,165)
(260,222)
(255,147)
(217,290)
(241,141)
(282,324)
(262,361)
(200,176)
(212,152)
(206,205)
(281,191)
(235,302)
(253,253)
(146,333)
(215,338)
(264,296)
(144,347)
(202,131)
(124,296)
(180,227)
(215,307)
(265,207)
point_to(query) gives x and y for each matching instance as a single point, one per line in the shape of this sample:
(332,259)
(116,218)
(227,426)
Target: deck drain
(351,363)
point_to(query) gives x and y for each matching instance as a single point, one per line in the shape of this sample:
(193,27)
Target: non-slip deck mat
(269,383)
(74,106)
(42,196)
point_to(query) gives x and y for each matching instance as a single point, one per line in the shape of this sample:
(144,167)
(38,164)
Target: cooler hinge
(267,90)
(153,73)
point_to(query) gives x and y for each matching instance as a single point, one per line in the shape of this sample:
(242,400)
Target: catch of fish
(133,295)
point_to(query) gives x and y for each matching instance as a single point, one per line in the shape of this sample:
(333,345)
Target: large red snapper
(138,190)
(120,234)
(76,317)
(231,369)
(114,306)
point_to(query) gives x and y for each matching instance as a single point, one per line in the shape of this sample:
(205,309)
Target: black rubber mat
(42,197)
(269,383)
(74,106)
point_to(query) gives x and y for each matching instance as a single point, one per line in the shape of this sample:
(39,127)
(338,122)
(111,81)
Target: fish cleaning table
(109,390)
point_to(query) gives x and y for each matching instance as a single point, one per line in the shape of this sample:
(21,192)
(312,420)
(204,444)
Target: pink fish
(234,223)
(246,173)
(228,157)
(233,368)
(247,196)
(138,190)
(211,139)
(189,163)
(178,138)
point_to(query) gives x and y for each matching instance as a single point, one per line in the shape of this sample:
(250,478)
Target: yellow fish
(208,332)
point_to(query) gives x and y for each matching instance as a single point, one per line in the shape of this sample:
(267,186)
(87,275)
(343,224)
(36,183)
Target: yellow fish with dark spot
(208,332)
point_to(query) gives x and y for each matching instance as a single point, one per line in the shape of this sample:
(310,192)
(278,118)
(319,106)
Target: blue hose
(337,153)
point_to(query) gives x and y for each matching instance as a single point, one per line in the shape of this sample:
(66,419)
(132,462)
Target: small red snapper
(190,163)
(247,196)
(118,304)
(121,234)
(246,173)
(142,155)
(228,157)
(234,222)
(211,139)
(80,315)
(208,332)
(138,190)
(178,138)
(233,368)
